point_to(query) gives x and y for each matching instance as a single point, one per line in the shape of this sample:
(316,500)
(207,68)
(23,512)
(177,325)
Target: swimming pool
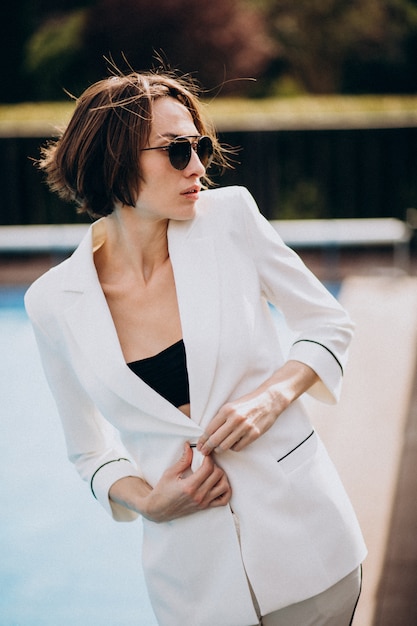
(63,561)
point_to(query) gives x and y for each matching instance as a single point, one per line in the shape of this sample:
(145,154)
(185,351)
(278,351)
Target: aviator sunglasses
(179,150)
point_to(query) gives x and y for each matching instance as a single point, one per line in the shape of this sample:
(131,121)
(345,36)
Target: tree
(55,54)
(319,38)
(223,41)
(217,41)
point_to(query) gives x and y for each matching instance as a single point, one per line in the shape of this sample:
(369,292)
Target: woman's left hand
(240,422)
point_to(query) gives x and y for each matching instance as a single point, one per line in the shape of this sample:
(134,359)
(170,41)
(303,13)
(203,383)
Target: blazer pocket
(298,455)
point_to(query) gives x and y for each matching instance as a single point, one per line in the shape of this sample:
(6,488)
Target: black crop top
(166,373)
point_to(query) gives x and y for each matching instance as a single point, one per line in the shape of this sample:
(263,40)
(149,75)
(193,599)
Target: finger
(221,493)
(246,438)
(206,477)
(239,438)
(217,422)
(241,444)
(228,438)
(208,447)
(227,431)
(208,484)
(184,463)
(218,494)
(202,473)
(229,442)
(221,500)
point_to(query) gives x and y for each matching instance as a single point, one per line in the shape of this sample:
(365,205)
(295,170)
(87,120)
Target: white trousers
(333,607)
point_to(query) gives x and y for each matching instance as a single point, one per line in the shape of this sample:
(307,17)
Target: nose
(195,166)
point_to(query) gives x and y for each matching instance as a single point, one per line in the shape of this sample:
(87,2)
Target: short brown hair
(95,162)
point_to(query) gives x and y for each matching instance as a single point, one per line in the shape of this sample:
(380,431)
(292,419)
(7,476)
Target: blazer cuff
(103,478)
(326,365)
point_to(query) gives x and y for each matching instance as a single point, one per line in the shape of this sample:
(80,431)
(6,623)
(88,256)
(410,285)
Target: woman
(177,401)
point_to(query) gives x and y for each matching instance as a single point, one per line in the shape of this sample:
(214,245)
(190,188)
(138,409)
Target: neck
(133,244)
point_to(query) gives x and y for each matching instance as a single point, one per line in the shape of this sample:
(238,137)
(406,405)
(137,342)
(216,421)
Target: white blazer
(298,532)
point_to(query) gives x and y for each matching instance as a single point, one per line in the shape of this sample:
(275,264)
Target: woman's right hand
(178,493)
(182,492)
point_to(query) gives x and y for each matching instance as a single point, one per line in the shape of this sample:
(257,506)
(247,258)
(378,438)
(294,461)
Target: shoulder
(46,296)
(225,198)
(225,205)
(43,294)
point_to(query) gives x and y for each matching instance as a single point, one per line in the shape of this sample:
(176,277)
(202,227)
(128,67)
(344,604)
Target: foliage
(39,119)
(219,42)
(223,43)
(323,42)
(290,47)
(302,199)
(53,51)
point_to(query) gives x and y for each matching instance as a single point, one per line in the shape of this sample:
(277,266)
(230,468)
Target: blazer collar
(89,320)
(196,274)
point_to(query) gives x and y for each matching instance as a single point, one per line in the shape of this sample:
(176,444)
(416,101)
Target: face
(167,193)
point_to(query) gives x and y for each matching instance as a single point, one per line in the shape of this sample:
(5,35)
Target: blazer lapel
(196,276)
(91,324)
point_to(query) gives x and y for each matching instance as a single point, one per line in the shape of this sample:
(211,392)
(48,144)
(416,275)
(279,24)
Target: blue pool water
(63,561)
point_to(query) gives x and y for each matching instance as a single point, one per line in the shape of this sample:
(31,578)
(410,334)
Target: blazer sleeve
(93,445)
(321,327)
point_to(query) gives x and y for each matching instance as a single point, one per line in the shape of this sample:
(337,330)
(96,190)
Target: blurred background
(319,94)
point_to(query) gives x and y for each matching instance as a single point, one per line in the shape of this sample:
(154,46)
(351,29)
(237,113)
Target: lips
(191,191)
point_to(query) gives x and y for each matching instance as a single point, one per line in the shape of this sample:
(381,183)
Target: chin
(187,213)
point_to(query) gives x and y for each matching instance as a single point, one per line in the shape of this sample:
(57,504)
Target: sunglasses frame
(184,140)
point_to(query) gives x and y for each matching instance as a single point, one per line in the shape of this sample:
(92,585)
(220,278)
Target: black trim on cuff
(99,468)
(323,346)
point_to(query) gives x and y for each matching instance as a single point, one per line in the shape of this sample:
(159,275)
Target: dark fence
(297,173)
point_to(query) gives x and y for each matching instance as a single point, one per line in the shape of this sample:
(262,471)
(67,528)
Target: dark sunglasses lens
(180,153)
(205,150)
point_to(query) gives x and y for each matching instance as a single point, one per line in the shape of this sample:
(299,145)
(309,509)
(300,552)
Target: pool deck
(372,433)
(371,437)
